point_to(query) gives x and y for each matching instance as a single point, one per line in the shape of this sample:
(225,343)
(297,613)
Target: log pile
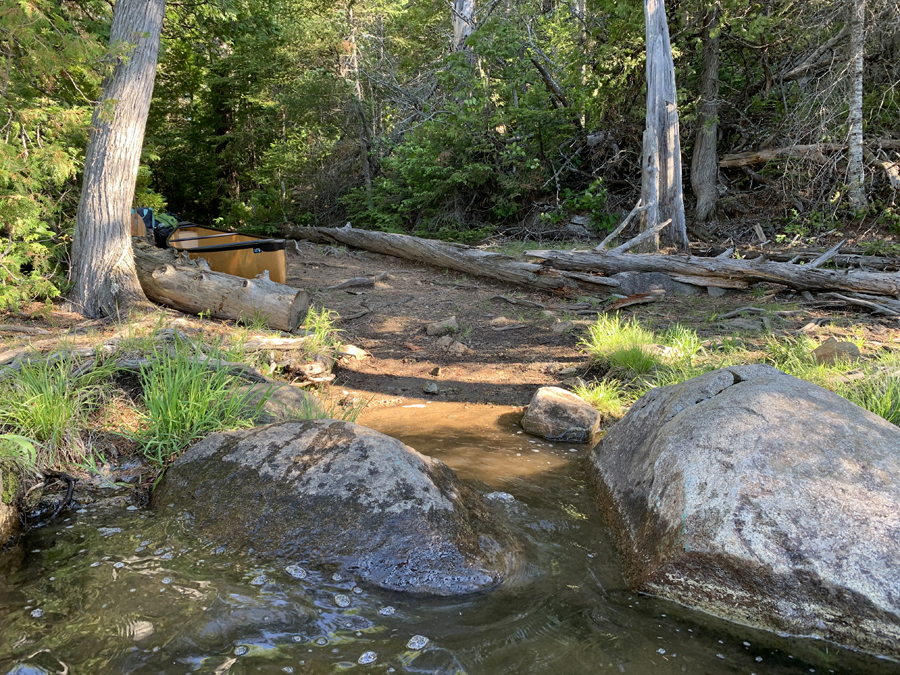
(581,270)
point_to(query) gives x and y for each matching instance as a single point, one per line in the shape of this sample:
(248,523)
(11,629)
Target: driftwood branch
(828,255)
(641,238)
(800,277)
(615,233)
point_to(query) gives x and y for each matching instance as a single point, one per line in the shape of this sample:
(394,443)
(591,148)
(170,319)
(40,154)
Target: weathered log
(186,287)
(441,254)
(800,277)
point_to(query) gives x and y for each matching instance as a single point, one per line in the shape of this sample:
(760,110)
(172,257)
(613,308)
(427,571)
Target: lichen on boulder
(763,499)
(327,492)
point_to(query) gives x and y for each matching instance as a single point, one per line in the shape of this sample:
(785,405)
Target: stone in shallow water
(341,600)
(367,657)
(259,580)
(417,642)
(240,651)
(335,493)
(296,571)
(387,611)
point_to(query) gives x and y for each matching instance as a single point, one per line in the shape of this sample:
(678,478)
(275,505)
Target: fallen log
(441,254)
(800,277)
(187,287)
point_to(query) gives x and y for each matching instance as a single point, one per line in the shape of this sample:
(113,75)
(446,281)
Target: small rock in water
(109,531)
(417,642)
(387,611)
(357,590)
(37,613)
(366,658)
(297,638)
(341,600)
(258,581)
(167,580)
(240,651)
(336,577)
(95,564)
(159,551)
(296,571)
(321,641)
(119,565)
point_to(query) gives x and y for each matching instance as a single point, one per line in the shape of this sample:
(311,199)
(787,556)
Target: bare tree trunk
(855,170)
(662,124)
(705,163)
(463,22)
(103,272)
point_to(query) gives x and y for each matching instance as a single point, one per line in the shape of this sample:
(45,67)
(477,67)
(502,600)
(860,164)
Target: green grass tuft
(185,401)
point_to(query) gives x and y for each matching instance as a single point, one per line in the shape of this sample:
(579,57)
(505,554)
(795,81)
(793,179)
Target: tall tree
(103,273)
(855,170)
(705,161)
(661,192)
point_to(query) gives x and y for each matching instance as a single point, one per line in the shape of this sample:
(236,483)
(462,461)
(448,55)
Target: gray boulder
(633,283)
(761,498)
(560,415)
(327,492)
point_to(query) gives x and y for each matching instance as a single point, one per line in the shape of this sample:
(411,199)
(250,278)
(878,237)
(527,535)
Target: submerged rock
(761,498)
(9,514)
(332,492)
(560,415)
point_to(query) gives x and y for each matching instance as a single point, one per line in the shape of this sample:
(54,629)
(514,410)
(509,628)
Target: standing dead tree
(661,192)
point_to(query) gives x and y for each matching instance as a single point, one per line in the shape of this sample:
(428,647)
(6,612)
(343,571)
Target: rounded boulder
(327,492)
(763,499)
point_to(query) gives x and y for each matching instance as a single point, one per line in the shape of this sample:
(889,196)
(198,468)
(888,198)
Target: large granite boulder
(327,492)
(761,498)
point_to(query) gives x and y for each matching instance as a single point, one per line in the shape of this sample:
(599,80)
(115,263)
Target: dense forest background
(388,115)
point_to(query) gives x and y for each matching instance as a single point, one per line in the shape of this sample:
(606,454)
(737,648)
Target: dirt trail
(510,350)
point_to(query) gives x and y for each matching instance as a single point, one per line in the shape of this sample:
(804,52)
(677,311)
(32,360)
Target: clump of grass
(634,360)
(320,331)
(621,344)
(607,396)
(684,340)
(50,401)
(185,401)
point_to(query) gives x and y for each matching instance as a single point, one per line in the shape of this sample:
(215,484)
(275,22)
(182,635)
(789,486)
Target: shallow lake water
(108,590)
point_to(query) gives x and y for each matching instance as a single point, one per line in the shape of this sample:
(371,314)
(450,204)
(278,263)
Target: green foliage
(185,401)
(50,401)
(607,396)
(321,334)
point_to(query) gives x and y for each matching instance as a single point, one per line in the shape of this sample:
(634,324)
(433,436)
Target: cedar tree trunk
(103,273)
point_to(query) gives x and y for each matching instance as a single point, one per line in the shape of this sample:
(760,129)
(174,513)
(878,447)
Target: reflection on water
(109,591)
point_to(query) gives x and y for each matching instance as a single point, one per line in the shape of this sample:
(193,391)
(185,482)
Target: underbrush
(635,359)
(155,395)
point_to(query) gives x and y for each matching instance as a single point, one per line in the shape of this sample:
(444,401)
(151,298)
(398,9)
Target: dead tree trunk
(855,170)
(662,192)
(705,164)
(103,273)
(463,22)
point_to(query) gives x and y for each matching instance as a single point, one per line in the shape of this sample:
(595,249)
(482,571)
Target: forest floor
(510,350)
(501,351)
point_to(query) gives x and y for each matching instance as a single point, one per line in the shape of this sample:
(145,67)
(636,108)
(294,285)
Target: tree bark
(185,286)
(855,170)
(704,164)
(463,22)
(661,166)
(103,273)
(800,277)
